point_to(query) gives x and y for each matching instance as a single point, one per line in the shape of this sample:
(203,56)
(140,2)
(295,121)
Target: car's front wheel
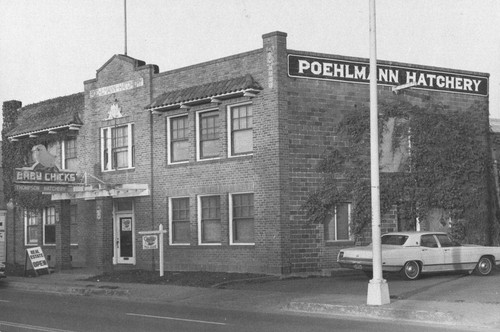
(411,270)
(484,266)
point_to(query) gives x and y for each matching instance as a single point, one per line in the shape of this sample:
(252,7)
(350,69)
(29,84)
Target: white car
(414,253)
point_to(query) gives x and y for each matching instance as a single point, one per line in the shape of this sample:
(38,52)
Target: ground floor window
(209,220)
(337,227)
(179,220)
(241,223)
(49,225)
(31,225)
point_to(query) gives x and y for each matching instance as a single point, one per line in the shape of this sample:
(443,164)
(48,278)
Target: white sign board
(37,258)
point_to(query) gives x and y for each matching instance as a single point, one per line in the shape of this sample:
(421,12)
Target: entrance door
(124,239)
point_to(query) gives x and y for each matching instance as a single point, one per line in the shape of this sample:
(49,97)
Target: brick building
(222,153)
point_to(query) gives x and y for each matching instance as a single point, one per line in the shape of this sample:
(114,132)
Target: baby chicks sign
(43,175)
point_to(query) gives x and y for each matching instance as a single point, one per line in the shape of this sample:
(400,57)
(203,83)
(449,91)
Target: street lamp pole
(378,289)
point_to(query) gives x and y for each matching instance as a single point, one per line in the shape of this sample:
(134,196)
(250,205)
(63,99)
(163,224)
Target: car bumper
(367,266)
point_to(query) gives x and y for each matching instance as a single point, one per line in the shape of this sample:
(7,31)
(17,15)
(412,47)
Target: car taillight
(341,254)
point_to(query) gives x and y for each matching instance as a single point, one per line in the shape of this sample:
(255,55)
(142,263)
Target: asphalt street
(450,301)
(32,311)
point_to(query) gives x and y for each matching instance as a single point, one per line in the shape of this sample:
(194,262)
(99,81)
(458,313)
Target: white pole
(378,289)
(125,21)
(161,250)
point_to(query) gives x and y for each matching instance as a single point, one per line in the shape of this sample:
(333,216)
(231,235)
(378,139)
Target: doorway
(124,232)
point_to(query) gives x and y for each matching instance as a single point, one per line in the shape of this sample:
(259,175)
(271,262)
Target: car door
(455,257)
(432,255)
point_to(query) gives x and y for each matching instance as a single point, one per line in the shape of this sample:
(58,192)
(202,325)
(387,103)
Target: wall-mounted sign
(359,72)
(24,175)
(107,90)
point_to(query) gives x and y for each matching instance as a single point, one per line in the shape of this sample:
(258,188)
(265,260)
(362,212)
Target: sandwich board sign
(37,259)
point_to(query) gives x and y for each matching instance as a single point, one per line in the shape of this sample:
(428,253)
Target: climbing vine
(447,167)
(17,155)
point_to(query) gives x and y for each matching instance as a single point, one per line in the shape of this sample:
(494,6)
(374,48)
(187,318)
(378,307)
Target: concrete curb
(358,311)
(72,290)
(411,314)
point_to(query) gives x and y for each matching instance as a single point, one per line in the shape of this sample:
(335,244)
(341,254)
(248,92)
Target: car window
(428,241)
(397,240)
(445,241)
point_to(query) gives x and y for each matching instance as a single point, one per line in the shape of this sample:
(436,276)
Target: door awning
(93,192)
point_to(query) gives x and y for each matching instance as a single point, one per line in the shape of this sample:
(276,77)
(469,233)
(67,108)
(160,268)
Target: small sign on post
(150,241)
(37,259)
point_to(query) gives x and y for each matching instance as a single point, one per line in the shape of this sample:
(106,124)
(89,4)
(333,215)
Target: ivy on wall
(16,155)
(448,167)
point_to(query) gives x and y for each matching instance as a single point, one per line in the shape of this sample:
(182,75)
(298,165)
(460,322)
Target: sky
(48,48)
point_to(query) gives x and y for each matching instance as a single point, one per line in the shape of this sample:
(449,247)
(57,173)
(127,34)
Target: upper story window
(68,154)
(117,147)
(208,140)
(178,139)
(337,227)
(240,120)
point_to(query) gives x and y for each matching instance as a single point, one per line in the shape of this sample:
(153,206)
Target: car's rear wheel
(484,266)
(411,270)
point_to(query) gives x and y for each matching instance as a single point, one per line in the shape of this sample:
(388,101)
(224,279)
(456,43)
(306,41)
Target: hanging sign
(358,72)
(150,242)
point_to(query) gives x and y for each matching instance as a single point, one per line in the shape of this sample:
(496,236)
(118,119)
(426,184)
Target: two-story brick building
(222,153)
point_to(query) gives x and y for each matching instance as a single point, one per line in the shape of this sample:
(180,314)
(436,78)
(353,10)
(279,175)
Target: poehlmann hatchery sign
(359,72)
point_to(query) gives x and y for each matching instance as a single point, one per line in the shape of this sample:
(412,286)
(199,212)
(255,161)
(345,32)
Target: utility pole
(378,289)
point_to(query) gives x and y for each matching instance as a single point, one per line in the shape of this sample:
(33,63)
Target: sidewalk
(300,295)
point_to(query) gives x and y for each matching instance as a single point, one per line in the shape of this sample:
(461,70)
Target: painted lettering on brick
(359,72)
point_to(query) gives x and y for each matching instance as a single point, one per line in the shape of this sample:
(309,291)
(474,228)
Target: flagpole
(378,289)
(125,22)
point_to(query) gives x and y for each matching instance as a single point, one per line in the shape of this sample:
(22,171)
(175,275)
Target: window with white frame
(240,120)
(117,147)
(49,226)
(68,154)
(209,221)
(241,218)
(179,220)
(74,224)
(337,226)
(208,142)
(31,225)
(178,139)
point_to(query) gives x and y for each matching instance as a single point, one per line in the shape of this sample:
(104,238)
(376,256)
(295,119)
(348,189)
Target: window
(31,224)
(241,224)
(179,220)
(68,155)
(49,225)
(117,147)
(74,225)
(178,139)
(337,226)
(208,145)
(241,130)
(209,228)
(428,241)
